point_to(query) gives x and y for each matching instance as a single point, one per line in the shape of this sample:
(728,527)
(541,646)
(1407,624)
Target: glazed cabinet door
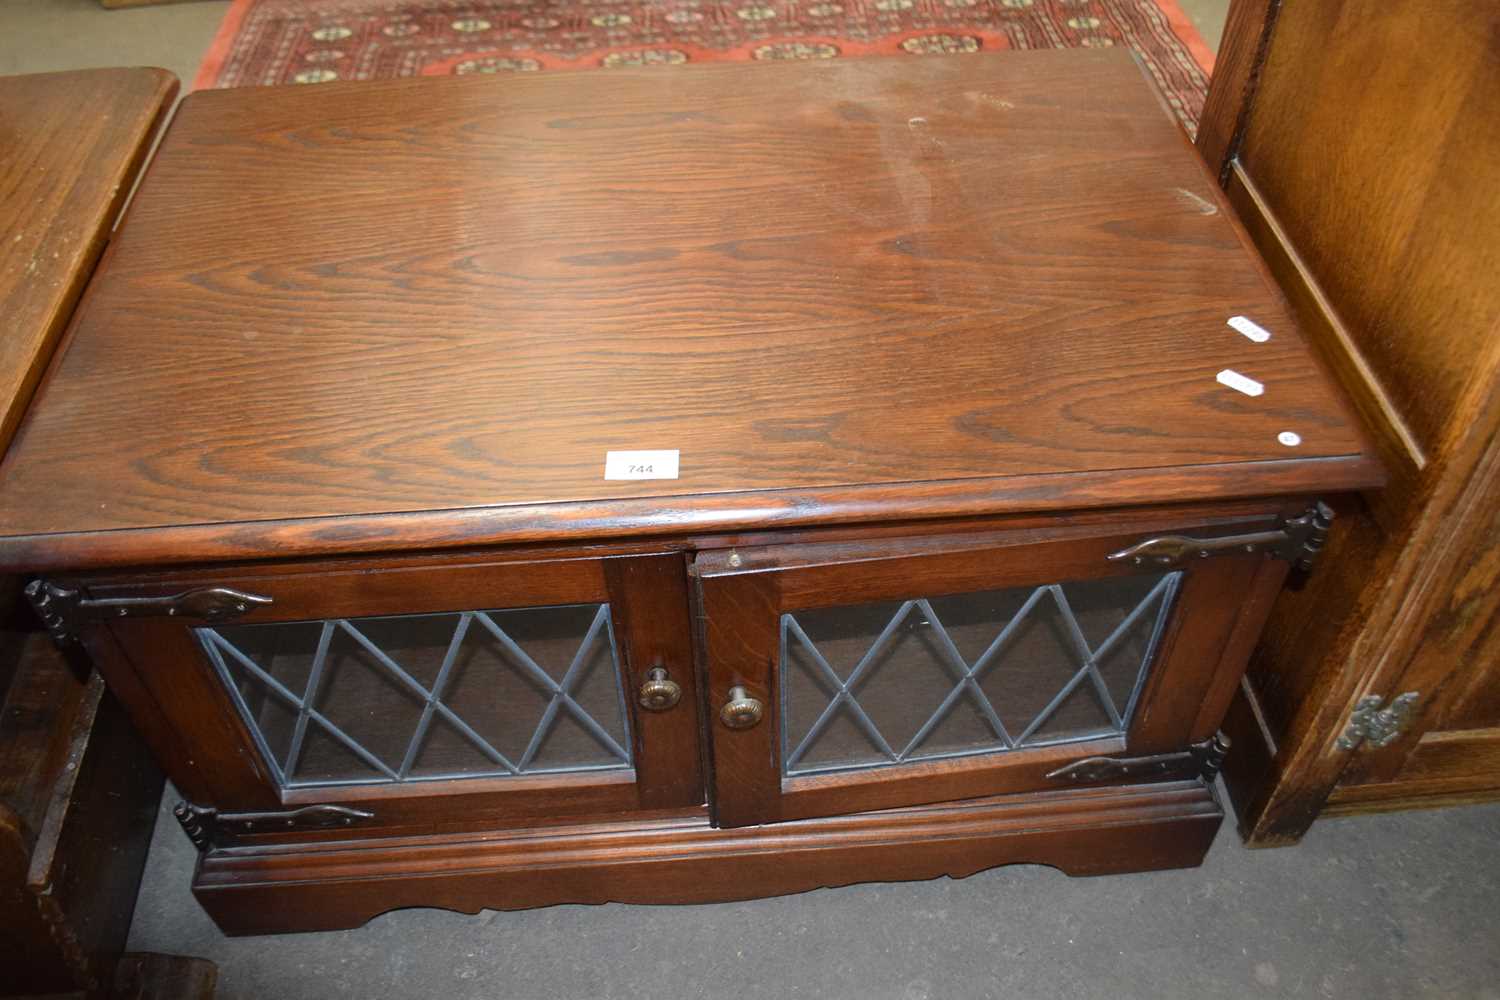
(846,677)
(420,693)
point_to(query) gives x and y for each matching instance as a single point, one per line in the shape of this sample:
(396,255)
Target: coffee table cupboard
(676,486)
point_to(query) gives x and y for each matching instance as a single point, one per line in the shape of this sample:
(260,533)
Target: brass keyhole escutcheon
(659,691)
(741,711)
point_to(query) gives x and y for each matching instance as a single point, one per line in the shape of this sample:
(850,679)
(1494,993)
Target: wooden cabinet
(960,516)
(1351,137)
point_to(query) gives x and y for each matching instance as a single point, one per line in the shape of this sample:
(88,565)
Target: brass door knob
(659,692)
(741,711)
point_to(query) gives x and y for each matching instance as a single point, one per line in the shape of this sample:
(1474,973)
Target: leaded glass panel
(895,681)
(426,697)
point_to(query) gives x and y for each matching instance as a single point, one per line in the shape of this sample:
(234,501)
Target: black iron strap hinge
(208,828)
(1200,760)
(63,609)
(1298,540)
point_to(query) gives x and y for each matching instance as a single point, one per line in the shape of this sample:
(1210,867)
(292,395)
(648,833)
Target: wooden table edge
(151,119)
(657,516)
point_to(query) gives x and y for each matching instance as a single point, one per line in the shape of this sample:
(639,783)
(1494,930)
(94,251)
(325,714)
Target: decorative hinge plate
(1298,541)
(1200,760)
(62,609)
(1376,724)
(208,828)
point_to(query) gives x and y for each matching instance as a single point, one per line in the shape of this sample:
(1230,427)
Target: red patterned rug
(265,42)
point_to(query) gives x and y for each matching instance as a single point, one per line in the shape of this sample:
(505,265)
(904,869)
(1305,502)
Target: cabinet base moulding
(271,888)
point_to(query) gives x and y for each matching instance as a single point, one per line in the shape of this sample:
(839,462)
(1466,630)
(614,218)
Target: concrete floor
(1388,906)
(41,36)
(1208,17)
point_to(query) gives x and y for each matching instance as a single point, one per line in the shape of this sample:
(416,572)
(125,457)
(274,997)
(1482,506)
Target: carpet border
(1183,27)
(218,50)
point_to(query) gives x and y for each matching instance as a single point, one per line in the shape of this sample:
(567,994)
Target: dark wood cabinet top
(421,312)
(70,146)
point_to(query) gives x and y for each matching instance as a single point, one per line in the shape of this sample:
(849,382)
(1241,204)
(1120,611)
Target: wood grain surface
(70,145)
(1365,169)
(1386,198)
(1002,279)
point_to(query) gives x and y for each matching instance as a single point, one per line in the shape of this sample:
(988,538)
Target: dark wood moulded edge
(594,520)
(344,884)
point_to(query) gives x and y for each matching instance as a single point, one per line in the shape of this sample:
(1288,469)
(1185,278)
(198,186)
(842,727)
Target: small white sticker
(1289,438)
(1250,328)
(640,464)
(1240,383)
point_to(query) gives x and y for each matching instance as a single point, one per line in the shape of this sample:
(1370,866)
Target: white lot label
(640,464)
(1240,383)
(1250,328)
